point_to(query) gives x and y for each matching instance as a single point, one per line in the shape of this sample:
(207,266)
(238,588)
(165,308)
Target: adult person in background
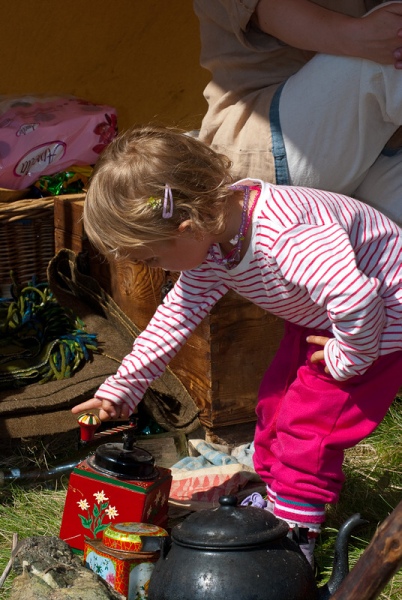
(307,93)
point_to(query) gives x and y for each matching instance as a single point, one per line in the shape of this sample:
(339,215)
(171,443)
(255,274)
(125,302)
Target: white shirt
(316,258)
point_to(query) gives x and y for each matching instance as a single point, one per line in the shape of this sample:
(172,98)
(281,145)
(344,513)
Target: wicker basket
(26,240)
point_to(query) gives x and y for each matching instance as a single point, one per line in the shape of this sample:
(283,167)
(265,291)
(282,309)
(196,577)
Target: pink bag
(42,136)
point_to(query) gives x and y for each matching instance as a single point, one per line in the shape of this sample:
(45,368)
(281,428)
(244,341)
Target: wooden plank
(244,339)
(68,212)
(136,289)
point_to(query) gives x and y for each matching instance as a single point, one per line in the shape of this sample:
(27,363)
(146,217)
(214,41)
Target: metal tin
(131,537)
(126,556)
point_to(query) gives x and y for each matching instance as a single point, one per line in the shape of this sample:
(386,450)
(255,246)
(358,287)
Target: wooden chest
(222,363)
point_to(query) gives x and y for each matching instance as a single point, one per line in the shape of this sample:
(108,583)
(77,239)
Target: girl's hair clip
(167,211)
(156,203)
(167,206)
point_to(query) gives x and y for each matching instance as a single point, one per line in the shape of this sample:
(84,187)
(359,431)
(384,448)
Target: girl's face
(181,253)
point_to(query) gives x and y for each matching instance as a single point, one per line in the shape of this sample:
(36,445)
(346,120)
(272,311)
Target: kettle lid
(229,526)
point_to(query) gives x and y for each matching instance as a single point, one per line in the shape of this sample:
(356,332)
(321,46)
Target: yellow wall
(140,56)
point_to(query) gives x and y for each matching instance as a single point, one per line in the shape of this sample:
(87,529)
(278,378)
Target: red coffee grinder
(118,482)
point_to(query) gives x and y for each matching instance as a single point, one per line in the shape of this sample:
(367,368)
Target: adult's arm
(300,23)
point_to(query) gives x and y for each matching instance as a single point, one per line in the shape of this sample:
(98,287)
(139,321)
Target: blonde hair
(123,207)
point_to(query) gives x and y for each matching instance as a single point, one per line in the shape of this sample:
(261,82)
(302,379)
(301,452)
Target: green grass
(27,513)
(373,488)
(30,511)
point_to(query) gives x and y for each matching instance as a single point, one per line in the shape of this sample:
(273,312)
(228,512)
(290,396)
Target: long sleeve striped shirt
(316,258)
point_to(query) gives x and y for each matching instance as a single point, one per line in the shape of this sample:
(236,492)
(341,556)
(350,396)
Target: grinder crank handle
(90,422)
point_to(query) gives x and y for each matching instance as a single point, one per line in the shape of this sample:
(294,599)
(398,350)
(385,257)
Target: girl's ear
(186,226)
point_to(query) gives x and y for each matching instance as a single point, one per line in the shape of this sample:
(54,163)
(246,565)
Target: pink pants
(306,419)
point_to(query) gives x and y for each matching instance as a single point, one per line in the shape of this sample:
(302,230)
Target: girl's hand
(108,411)
(318,356)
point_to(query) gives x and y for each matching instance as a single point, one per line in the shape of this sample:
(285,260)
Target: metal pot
(241,552)
(232,552)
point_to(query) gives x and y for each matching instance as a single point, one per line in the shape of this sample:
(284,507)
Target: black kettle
(240,552)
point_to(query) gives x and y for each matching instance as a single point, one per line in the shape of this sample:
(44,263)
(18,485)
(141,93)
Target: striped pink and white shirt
(317,259)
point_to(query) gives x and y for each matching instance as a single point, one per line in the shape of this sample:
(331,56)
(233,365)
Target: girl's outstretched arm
(303,24)
(183,309)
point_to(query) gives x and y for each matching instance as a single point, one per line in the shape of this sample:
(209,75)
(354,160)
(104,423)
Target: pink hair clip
(167,211)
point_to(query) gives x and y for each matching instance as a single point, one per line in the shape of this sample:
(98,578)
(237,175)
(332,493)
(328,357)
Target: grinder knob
(89,423)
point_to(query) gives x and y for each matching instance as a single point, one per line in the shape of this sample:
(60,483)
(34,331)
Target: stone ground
(48,570)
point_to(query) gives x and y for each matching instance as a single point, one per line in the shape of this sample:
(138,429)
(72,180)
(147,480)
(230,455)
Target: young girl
(327,264)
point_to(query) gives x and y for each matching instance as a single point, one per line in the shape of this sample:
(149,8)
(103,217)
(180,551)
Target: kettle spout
(341,556)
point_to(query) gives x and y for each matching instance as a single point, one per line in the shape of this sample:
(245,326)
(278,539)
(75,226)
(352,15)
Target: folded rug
(167,400)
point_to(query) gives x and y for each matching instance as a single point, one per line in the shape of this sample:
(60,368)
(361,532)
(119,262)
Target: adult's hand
(380,36)
(376,36)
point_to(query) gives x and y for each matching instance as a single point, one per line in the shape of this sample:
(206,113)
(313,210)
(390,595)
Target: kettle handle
(152,543)
(165,545)
(378,563)
(341,556)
